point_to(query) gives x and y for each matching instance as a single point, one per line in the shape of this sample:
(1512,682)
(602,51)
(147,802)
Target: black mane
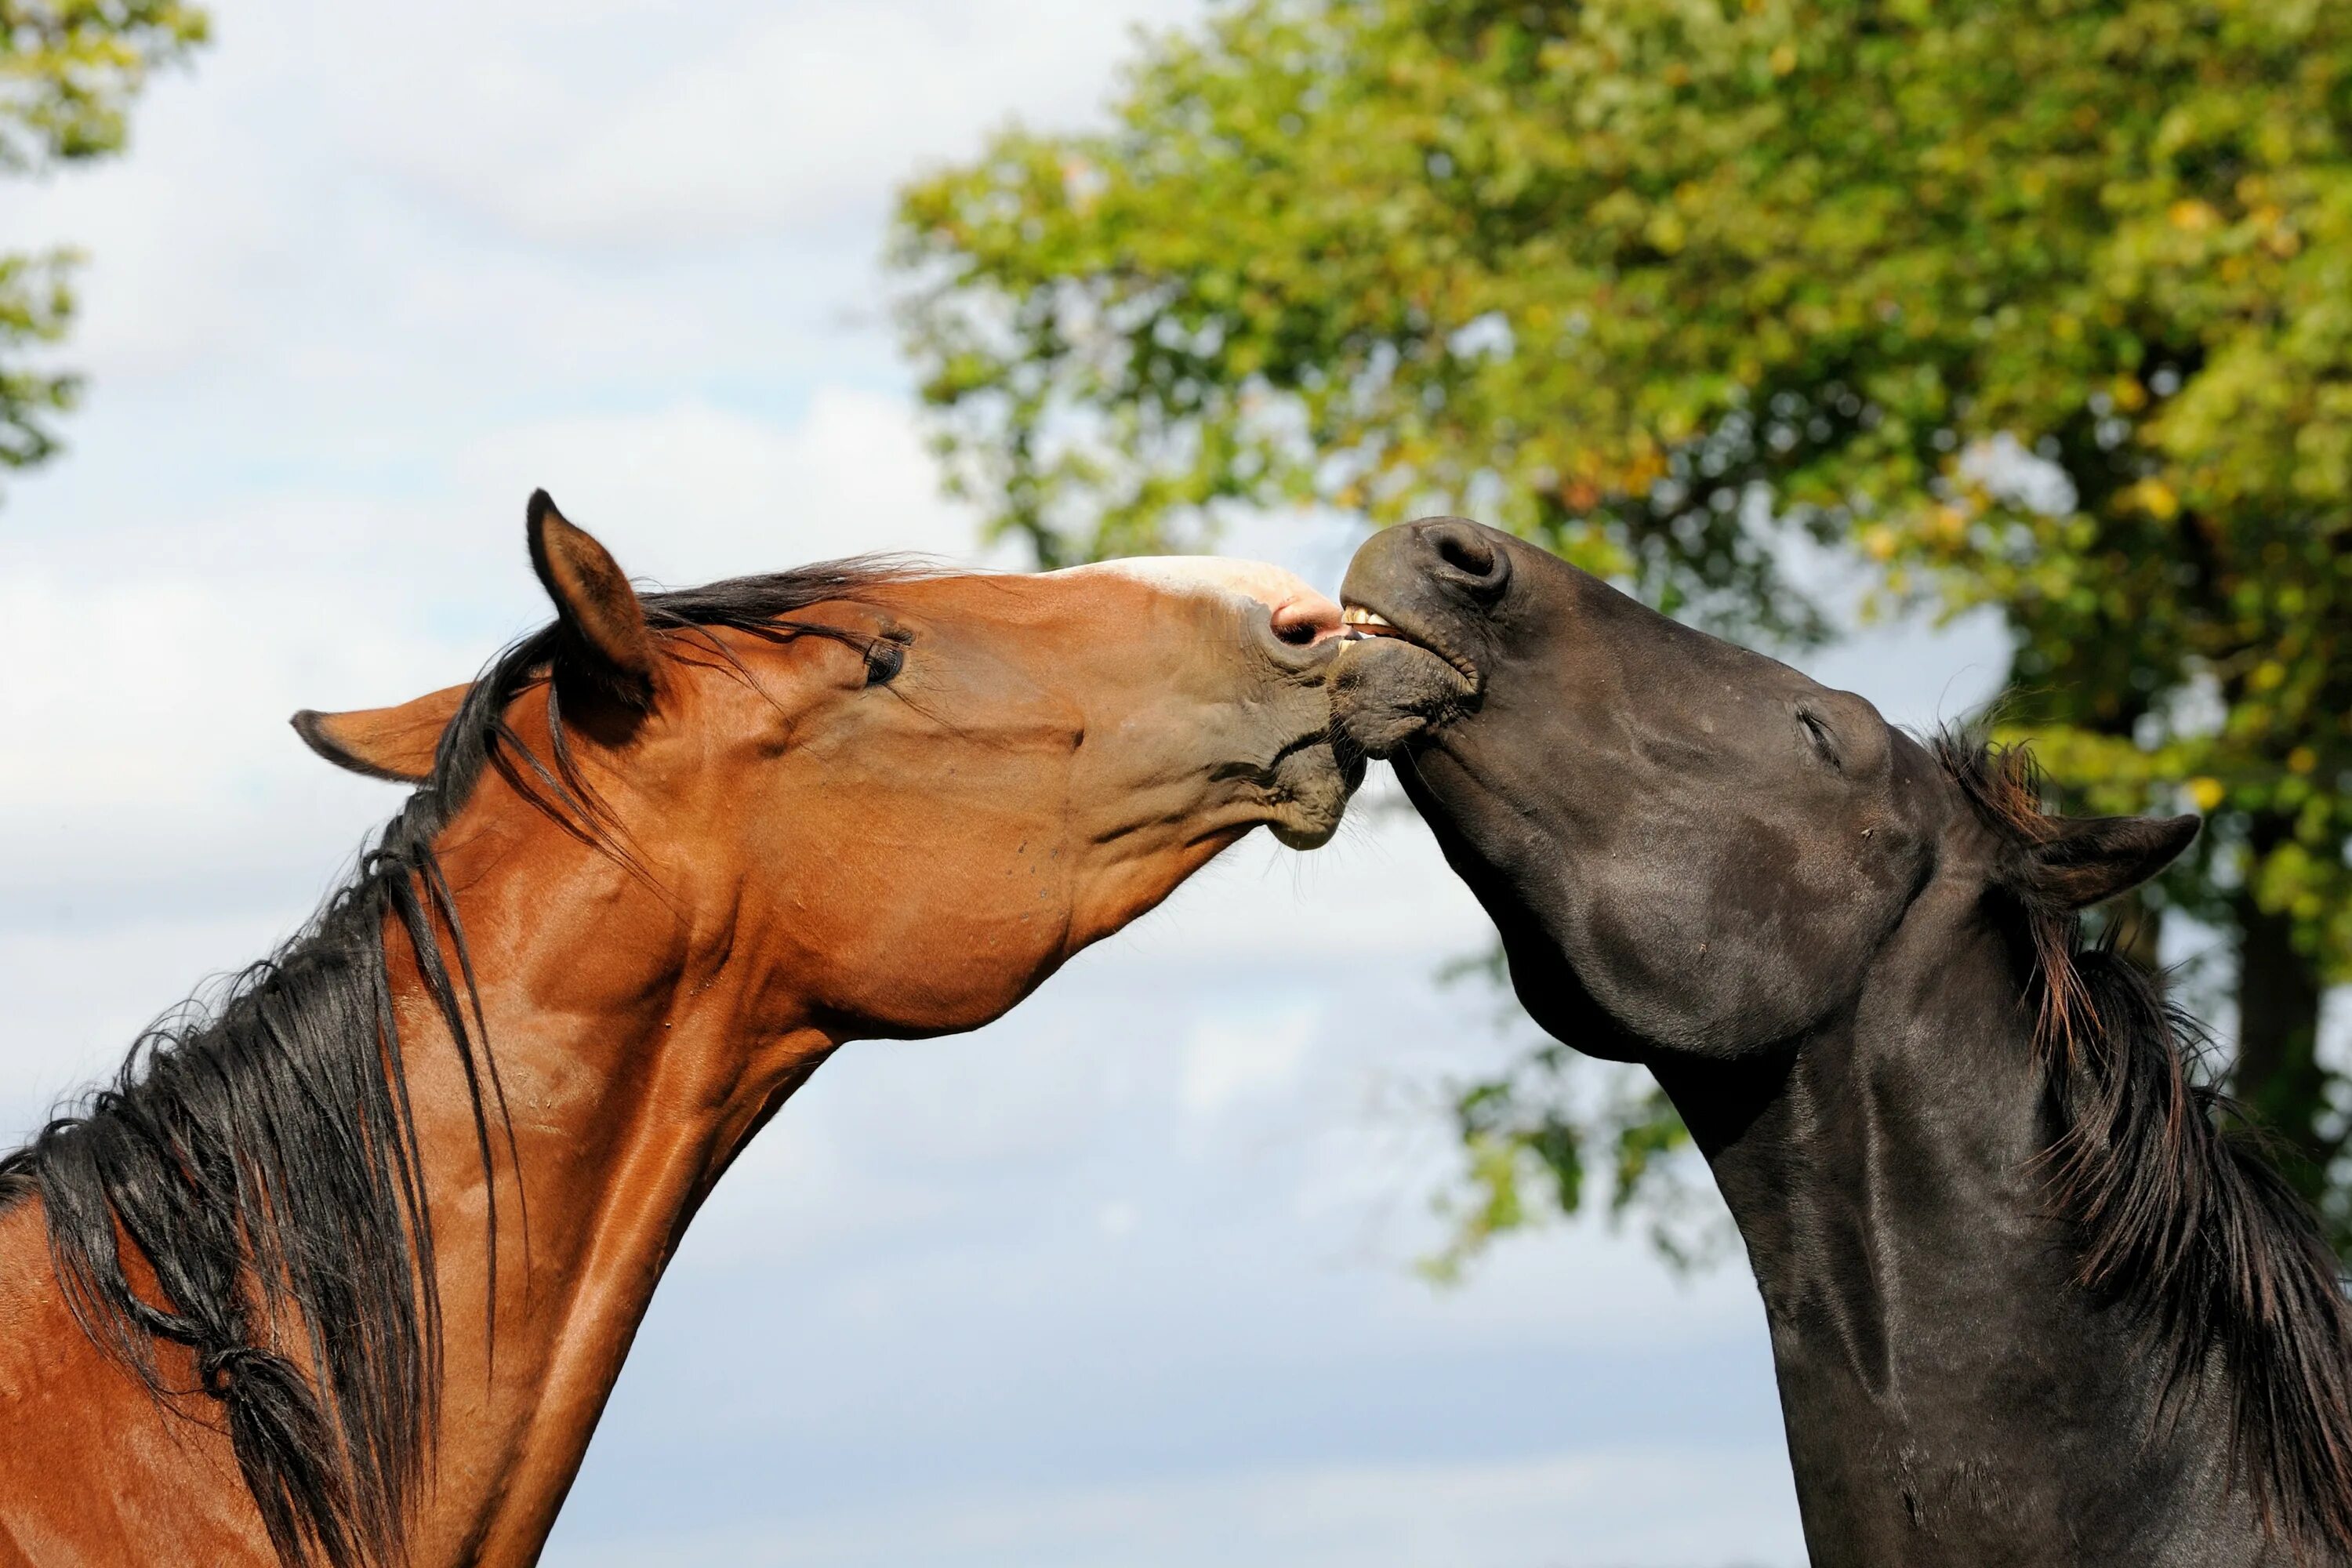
(260,1154)
(2180,1213)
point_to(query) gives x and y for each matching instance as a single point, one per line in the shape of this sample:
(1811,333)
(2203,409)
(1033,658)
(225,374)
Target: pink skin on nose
(1296,607)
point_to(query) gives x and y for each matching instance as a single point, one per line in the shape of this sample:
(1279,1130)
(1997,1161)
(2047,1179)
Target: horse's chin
(1389,694)
(1312,786)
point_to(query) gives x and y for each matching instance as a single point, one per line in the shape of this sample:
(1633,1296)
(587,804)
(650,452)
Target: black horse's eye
(1819,733)
(884,659)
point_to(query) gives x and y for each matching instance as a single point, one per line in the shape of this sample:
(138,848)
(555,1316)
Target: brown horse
(345,1271)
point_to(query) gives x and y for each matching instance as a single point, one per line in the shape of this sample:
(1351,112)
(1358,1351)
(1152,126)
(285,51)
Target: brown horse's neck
(639,1052)
(634,1070)
(1952,1395)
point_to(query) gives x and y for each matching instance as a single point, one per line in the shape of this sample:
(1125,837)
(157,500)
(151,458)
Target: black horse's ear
(608,651)
(2089,859)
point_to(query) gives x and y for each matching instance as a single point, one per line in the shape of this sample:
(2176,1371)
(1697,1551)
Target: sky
(1126,1278)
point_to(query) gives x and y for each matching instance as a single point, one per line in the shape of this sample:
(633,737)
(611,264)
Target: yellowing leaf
(2193,216)
(2154,498)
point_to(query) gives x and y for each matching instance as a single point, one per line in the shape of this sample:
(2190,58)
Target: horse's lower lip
(1389,694)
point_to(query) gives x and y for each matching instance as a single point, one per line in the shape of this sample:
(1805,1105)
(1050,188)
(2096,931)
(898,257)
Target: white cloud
(347,221)
(1630,1507)
(2020,478)
(1380,887)
(803,1187)
(773,121)
(1246,1051)
(76,996)
(178,687)
(183,242)
(693,492)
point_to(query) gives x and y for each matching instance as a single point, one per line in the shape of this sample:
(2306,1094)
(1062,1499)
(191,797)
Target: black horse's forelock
(2180,1213)
(260,1156)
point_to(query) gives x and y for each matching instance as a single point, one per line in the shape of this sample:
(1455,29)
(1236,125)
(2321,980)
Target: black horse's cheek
(1387,693)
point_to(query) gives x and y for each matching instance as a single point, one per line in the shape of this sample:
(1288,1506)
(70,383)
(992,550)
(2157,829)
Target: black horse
(2030,1303)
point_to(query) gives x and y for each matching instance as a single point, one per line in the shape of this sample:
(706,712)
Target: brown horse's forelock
(2180,1215)
(260,1154)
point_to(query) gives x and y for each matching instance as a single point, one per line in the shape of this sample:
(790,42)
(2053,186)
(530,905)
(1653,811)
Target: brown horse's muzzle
(1244,694)
(1311,773)
(1314,773)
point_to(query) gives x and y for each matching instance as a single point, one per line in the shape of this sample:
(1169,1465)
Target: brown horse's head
(887,801)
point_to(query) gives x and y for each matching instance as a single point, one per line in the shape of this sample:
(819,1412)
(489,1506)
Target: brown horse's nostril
(1465,555)
(1309,618)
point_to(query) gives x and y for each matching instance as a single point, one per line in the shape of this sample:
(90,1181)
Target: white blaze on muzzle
(1297,608)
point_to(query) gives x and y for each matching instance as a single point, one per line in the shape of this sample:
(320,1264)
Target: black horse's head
(1688,847)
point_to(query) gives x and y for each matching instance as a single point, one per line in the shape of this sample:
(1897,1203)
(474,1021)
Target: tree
(2039,304)
(69,72)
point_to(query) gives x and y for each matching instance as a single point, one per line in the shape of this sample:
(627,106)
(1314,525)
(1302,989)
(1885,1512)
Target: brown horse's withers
(345,1272)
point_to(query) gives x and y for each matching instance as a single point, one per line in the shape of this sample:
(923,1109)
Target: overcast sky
(1123,1280)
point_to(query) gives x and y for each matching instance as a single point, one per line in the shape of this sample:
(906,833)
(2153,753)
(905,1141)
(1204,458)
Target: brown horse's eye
(884,660)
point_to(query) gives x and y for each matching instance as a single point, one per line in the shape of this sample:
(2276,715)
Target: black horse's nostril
(1466,555)
(1469,556)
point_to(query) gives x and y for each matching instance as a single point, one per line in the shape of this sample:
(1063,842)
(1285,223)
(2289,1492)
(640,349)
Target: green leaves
(69,71)
(2044,305)
(1538,1136)
(35,306)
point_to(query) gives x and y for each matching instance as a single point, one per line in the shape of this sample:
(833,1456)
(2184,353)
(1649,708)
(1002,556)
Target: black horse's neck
(1952,1395)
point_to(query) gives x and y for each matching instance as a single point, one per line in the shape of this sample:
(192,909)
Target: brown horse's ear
(397,743)
(2089,859)
(607,650)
